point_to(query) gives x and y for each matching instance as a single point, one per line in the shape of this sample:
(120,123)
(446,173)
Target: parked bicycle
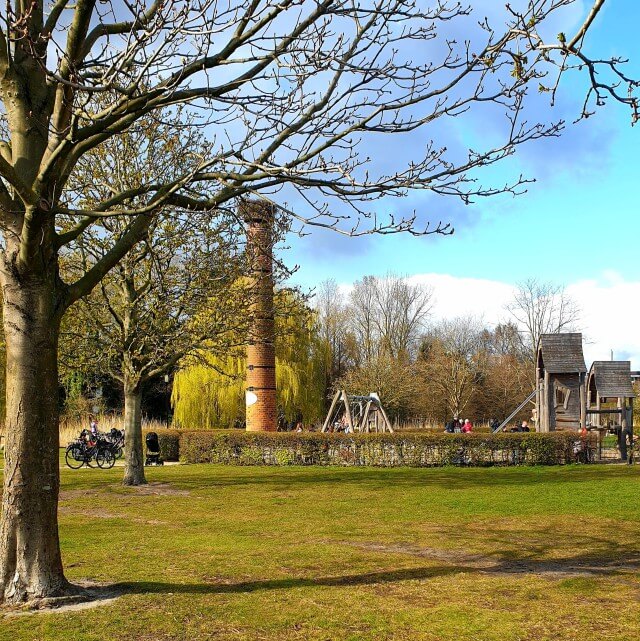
(116,438)
(90,448)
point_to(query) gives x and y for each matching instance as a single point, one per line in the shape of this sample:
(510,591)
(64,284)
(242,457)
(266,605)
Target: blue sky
(577,223)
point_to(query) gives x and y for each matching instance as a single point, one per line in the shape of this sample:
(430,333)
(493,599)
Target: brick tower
(261,356)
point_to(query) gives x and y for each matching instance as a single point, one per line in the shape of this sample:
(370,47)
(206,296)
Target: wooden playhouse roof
(562,353)
(612,378)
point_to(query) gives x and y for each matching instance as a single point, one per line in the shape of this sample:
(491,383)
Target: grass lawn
(209,552)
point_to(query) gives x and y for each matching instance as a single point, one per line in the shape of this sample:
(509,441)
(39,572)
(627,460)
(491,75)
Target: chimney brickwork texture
(261,357)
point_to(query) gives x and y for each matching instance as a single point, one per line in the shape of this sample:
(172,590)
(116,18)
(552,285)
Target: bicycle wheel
(119,452)
(74,457)
(105,458)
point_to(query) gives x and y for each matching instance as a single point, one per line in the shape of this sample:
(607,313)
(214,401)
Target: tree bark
(30,560)
(133,453)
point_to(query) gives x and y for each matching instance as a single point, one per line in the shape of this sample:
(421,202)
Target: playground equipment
(609,386)
(357,414)
(561,398)
(500,427)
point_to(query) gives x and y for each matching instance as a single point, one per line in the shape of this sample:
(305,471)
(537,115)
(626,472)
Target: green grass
(352,553)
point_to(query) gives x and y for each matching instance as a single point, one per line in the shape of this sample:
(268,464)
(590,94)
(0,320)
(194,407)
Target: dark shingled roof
(562,353)
(612,378)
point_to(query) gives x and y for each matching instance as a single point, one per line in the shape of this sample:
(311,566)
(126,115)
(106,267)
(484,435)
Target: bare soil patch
(157,488)
(90,595)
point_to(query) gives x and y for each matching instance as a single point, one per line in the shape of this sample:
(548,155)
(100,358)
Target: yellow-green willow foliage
(209,391)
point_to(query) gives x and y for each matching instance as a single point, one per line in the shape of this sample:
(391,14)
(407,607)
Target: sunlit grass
(352,553)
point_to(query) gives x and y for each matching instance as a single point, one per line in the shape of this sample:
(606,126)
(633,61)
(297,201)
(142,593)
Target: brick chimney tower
(259,217)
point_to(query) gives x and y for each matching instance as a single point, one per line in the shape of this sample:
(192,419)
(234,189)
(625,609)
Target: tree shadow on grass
(369,578)
(445,477)
(588,564)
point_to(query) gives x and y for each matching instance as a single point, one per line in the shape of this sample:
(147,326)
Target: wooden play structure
(561,386)
(349,413)
(610,400)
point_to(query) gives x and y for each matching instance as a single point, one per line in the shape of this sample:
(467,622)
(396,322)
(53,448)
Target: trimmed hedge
(169,441)
(233,447)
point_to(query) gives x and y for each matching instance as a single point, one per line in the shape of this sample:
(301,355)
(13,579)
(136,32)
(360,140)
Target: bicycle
(84,451)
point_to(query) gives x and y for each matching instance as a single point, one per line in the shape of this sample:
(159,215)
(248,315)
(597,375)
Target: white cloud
(610,321)
(610,309)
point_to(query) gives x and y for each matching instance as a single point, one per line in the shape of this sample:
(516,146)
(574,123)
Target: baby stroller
(153,450)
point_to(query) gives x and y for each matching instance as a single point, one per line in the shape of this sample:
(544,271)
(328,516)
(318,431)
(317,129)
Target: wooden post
(385,418)
(347,410)
(630,423)
(622,439)
(364,421)
(598,407)
(546,426)
(334,402)
(538,424)
(583,402)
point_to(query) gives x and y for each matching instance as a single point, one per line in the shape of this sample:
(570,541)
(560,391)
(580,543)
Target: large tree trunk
(133,454)
(30,561)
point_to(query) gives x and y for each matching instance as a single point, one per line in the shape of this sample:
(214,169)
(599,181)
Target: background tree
(455,362)
(541,308)
(332,316)
(506,377)
(147,313)
(394,380)
(209,388)
(287,93)
(388,316)
(150,312)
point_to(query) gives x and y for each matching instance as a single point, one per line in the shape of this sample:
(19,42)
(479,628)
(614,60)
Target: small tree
(171,294)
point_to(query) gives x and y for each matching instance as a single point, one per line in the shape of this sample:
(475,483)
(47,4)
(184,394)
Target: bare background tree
(455,361)
(149,312)
(541,308)
(333,327)
(288,95)
(388,316)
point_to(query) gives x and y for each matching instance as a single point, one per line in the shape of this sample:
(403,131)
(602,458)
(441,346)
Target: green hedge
(386,450)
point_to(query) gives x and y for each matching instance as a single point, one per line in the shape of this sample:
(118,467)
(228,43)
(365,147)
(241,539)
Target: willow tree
(287,93)
(209,388)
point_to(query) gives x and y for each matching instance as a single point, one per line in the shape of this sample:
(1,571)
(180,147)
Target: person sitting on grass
(467,427)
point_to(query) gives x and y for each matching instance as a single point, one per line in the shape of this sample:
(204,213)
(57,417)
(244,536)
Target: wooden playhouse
(561,385)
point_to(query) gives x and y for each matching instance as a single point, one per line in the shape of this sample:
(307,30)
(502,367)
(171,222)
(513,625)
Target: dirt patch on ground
(70,495)
(157,489)
(89,595)
(97,513)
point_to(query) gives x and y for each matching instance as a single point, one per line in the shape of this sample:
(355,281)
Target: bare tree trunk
(30,560)
(133,454)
